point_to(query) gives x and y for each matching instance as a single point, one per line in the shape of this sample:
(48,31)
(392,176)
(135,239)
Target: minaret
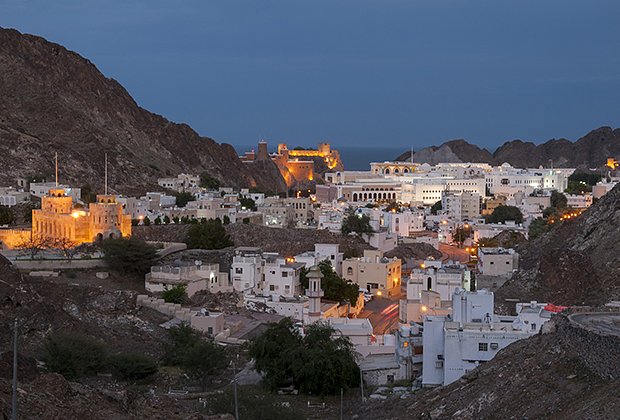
(314,293)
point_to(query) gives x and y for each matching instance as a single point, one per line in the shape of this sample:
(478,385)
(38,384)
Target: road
(453,253)
(382,313)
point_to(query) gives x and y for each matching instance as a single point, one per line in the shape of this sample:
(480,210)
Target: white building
(10,197)
(455,345)
(405,223)
(183,182)
(579,201)
(195,277)
(265,274)
(279,276)
(430,290)
(460,206)
(322,252)
(246,269)
(491,230)
(497,261)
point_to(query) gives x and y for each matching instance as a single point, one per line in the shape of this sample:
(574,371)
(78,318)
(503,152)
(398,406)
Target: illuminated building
(297,165)
(59,219)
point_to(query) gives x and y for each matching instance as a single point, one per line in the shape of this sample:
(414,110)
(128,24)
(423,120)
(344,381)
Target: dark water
(359,158)
(354,158)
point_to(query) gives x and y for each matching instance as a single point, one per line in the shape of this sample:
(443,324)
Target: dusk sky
(357,72)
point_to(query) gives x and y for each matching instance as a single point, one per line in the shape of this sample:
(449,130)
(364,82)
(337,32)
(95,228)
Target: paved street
(453,253)
(382,313)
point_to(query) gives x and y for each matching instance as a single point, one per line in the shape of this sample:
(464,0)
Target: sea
(353,158)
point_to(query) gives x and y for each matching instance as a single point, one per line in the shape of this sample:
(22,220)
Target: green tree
(357,223)
(166,220)
(146,221)
(135,222)
(558,200)
(247,203)
(73,355)
(207,181)
(436,207)
(537,227)
(226,220)
(319,363)
(176,220)
(183,198)
(461,234)
(501,214)
(198,358)
(128,255)
(334,286)
(132,366)
(176,294)
(274,352)
(6,215)
(158,220)
(326,363)
(209,235)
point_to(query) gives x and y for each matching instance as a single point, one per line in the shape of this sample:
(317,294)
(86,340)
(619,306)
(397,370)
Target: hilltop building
(297,165)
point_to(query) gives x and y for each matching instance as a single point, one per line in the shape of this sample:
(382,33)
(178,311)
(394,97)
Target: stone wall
(599,352)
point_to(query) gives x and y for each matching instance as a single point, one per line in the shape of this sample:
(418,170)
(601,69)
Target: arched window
(349,271)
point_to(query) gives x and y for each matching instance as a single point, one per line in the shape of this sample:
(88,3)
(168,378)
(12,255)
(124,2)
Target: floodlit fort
(58,218)
(296,165)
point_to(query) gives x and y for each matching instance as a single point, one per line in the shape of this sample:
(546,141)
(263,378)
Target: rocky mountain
(590,151)
(54,100)
(576,262)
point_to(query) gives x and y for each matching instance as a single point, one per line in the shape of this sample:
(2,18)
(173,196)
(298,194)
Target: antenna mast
(106,175)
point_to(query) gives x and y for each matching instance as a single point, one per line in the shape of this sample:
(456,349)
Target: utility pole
(14,400)
(362,385)
(235,389)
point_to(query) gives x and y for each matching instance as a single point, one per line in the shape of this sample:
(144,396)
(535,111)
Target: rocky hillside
(54,100)
(577,262)
(590,151)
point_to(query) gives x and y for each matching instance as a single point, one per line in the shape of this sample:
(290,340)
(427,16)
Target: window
(483,346)
(272,287)
(238,270)
(285,274)
(349,271)
(210,330)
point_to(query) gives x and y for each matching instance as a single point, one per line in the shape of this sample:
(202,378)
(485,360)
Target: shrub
(128,255)
(187,349)
(208,235)
(73,355)
(177,294)
(183,198)
(132,366)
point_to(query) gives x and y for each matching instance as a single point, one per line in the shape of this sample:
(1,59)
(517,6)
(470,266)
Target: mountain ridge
(590,150)
(54,100)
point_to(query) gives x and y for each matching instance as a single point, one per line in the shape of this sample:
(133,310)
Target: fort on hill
(298,166)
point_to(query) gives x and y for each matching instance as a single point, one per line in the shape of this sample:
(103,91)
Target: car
(367,295)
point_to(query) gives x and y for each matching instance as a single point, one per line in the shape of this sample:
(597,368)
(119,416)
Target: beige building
(374,272)
(497,261)
(59,219)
